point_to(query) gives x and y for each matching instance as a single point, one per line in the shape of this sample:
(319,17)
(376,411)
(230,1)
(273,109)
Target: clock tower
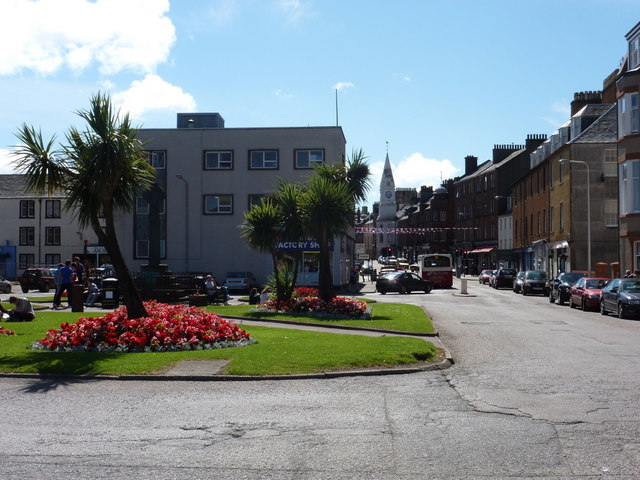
(388,207)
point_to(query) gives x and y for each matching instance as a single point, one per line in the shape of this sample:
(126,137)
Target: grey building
(211,175)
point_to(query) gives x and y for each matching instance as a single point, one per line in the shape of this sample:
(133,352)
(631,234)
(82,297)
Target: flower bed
(167,328)
(6,331)
(338,307)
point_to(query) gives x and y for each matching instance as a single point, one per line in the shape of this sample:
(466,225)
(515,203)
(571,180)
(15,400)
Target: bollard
(463,286)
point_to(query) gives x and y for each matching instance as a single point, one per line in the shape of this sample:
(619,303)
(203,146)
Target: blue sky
(436,79)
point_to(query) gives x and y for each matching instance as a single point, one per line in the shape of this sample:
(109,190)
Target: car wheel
(583,305)
(524,292)
(24,289)
(428,289)
(403,290)
(603,311)
(559,300)
(382,292)
(621,312)
(44,288)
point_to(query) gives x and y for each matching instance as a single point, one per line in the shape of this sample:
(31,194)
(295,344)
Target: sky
(426,81)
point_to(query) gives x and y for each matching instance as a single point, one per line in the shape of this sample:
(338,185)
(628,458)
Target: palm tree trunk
(325,280)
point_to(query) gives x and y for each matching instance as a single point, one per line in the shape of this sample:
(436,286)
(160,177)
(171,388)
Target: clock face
(388,194)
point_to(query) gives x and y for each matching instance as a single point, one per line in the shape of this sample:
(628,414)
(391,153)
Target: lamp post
(566,160)
(186,220)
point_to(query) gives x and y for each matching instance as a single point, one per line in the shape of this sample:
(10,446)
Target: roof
(15,186)
(603,130)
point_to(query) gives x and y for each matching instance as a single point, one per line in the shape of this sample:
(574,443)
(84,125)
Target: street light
(186,220)
(567,160)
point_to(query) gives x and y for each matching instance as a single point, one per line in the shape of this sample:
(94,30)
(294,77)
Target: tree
(101,170)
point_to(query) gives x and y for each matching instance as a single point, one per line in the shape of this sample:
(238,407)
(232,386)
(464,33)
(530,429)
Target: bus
(437,267)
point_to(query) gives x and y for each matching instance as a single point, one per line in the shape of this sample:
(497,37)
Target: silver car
(5,285)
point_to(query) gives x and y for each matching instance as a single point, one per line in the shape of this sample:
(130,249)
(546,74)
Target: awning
(482,250)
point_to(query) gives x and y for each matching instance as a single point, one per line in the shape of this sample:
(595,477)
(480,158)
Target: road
(537,391)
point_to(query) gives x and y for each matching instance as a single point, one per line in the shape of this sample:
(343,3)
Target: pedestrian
(353,279)
(67,275)
(79,269)
(254,297)
(93,293)
(23,311)
(58,282)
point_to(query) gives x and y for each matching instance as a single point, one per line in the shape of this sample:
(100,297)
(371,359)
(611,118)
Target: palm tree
(101,170)
(261,228)
(327,208)
(354,172)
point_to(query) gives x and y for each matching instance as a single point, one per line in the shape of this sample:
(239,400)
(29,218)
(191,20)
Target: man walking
(65,275)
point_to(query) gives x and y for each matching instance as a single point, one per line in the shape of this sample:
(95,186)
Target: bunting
(402,230)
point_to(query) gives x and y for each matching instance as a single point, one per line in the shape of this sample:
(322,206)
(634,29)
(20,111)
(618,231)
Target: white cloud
(559,113)
(413,171)
(342,85)
(153,94)
(6,158)
(283,95)
(295,11)
(47,35)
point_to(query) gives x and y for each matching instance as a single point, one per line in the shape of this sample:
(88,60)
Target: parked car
(241,281)
(621,296)
(484,276)
(535,282)
(518,281)
(586,293)
(402,282)
(37,279)
(5,285)
(504,278)
(560,285)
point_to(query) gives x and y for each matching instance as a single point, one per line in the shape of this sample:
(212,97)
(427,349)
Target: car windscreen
(595,283)
(536,276)
(630,286)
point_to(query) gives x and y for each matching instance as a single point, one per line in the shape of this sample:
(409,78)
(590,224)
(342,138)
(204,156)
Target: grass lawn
(385,316)
(277,351)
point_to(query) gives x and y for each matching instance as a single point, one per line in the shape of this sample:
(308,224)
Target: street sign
(96,250)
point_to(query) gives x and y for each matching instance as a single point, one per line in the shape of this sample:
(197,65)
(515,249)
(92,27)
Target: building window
(142,248)
(255,199)
(630,187)
(551,219)
(218,160)
(309,158)
(263,159)
(610,163)
(27,236)
(634,52)
(27,208)
(52,209)
(544,221)
(52,259)
(157,159)
(52,236)
(628,120)
(635,123)
(26,260)
(610,212)
(561,217)
(636,255)
(218,204)
(560,172)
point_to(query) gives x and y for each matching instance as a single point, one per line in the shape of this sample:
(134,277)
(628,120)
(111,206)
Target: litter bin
(110,293)
(77,297)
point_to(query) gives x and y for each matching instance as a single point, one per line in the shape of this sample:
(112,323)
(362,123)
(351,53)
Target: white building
(36,231)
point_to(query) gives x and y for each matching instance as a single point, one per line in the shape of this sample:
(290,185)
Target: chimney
(534,140)
(470,164)
(500,152)
(580,99)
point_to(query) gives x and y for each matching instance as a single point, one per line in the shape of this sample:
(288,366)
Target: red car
(484,276)
(586,293)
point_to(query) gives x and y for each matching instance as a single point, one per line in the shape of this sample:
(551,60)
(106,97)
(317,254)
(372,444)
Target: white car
(240,281)
(5,285)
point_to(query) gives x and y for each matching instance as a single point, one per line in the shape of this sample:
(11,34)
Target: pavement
(208,370)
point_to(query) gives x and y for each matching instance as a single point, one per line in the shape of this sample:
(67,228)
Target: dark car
(586,293)
(517,282)
(621,296)
(402,282)
(504,278)
(484,276)
(535,282)
(37,279)
(559,287)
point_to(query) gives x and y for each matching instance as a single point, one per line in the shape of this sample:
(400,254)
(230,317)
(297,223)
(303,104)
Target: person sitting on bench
(23,311)
(216,293)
